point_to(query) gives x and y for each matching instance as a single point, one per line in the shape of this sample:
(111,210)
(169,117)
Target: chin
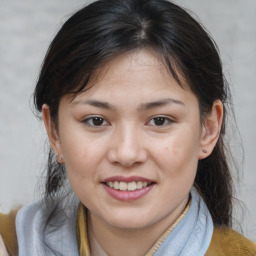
(130,225)
(130,221)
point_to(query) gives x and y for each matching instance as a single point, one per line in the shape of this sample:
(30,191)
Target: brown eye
(160,121)
(95,121)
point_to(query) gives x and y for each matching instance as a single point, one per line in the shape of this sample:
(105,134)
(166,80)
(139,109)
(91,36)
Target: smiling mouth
(128,186)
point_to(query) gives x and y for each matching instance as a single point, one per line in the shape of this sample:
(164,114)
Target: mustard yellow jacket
(225,241)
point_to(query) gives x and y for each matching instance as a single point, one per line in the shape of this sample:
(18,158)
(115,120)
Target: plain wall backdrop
(26,30)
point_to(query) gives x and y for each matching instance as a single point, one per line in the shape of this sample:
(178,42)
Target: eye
(95,121)
(160,121)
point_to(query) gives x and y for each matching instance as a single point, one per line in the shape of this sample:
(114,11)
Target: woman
(133,99)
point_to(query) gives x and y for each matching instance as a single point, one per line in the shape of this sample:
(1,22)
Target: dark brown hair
(106,28)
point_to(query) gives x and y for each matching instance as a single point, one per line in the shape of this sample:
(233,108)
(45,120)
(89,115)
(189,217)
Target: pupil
(97,121)
(159,120)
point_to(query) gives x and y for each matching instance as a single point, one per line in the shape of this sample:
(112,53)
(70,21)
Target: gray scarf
(191,237)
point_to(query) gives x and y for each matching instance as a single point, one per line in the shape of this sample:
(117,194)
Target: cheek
(177,149)
(76,146)
(83,158)
(81,170)
(178,155)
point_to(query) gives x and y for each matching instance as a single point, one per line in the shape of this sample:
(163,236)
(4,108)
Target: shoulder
(8,231)
(226,241)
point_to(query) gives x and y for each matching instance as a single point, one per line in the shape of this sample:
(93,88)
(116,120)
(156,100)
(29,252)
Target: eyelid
(90,117)
(167,118)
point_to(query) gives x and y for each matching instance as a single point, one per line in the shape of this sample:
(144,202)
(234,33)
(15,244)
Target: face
(131,142)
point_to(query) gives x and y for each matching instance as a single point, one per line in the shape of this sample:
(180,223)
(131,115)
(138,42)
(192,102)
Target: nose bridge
(127,148)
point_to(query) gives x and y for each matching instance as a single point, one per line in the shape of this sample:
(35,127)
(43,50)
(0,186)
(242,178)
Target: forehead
(137,74)
(133,65)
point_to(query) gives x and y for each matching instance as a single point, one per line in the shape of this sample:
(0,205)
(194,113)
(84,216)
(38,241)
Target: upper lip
(127,179)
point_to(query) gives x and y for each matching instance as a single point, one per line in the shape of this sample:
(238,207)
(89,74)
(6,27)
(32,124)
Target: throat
(95,248)
(104,242)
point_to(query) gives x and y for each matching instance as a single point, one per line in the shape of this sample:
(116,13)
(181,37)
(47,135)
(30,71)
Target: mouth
(128,186)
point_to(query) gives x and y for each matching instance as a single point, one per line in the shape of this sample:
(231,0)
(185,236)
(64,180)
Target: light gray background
(26,29)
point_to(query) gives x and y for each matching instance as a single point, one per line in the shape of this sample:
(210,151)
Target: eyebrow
(96,103)
(142,107)
(160,103)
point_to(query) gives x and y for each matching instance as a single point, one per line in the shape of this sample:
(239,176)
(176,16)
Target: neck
(115,242)
(108,240)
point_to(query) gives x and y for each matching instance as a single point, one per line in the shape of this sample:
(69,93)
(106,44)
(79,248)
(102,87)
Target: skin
(130,141)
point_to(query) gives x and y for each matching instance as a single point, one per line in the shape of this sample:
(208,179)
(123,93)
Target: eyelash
(90,121)
(167,121)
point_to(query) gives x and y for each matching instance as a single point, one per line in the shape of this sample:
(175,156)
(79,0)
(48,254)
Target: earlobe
(211,129)
(51,130)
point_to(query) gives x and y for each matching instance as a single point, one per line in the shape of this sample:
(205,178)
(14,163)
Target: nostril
(126,157)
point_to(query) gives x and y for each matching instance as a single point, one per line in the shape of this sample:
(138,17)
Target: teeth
(139,185)
(123,186)
(130,186)
(144,184)
(116,185)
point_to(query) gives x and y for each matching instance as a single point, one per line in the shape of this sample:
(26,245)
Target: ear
(52,133)
(211,129)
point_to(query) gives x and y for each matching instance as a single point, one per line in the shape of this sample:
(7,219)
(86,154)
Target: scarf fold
(190,237)
(57,240)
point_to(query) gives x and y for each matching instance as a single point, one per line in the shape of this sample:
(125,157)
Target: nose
(127,147)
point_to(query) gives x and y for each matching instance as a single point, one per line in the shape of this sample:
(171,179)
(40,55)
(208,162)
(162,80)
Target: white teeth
(144,184)
(123,186)
(139,185)
(130,186)
(116,185)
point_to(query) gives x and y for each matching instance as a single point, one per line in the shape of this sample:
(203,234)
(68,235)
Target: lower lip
(128,195)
